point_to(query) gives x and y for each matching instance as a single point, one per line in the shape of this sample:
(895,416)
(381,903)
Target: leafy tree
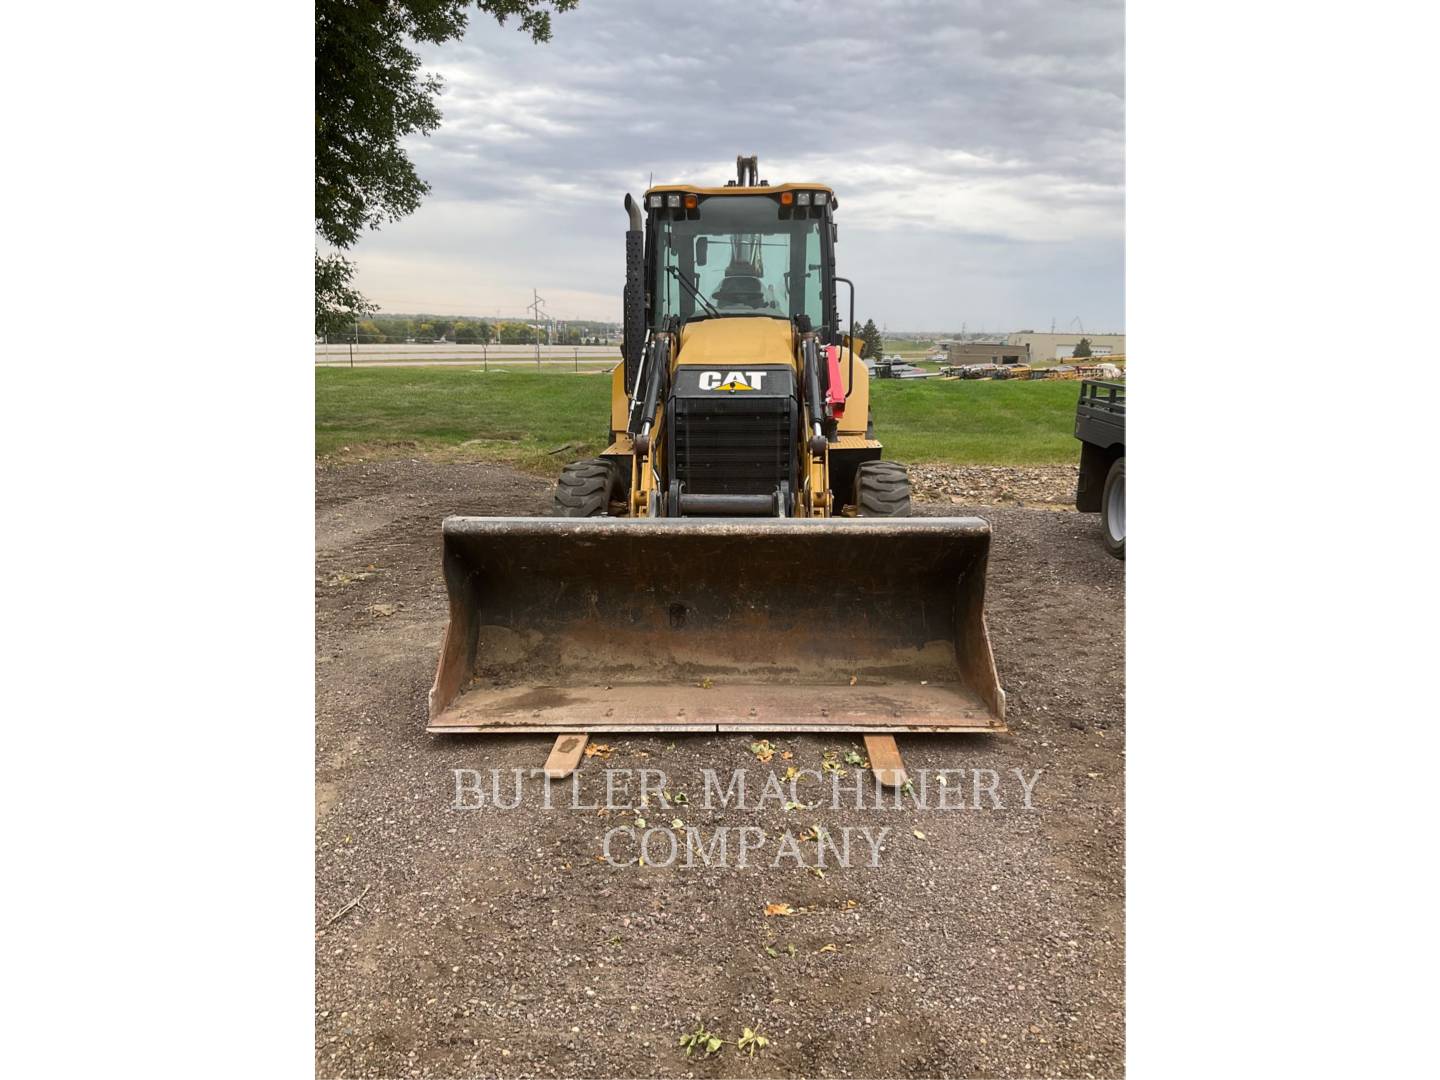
(872,344)
(517,333)
(338,304)
(469,333)
(394,329)
(370,95)
(1082,350)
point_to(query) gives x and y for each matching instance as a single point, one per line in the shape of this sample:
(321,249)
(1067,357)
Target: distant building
(985,352)
(1048,348)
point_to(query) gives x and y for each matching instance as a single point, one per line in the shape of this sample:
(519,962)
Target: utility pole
(539,319)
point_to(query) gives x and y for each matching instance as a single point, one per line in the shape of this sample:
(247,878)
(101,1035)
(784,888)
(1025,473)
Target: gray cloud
(977,150)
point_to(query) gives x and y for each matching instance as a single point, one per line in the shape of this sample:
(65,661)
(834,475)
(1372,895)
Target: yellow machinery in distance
(741,557)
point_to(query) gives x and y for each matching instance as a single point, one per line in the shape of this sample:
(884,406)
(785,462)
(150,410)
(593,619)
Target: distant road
(591,356)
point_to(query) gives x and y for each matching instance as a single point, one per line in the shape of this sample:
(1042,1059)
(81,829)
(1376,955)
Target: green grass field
(977,422)
(908,349)
(519,417)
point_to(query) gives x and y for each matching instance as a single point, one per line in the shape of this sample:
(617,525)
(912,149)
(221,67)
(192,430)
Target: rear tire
(1112,509)
(587,488)
(882,489)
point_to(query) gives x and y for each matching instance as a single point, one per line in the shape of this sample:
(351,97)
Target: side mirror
(702,250)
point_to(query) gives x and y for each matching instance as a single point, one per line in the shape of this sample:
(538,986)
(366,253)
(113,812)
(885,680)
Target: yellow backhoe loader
(741,557)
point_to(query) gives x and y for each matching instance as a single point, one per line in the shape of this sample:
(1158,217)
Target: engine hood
(729,341)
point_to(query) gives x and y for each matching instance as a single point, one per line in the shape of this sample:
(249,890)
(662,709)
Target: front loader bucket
(720,624)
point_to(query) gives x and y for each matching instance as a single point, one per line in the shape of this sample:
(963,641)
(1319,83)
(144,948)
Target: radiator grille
(728,447)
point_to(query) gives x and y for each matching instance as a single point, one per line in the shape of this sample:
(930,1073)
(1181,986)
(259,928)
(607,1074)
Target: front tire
(1112,509)
(882,489)
(587,488)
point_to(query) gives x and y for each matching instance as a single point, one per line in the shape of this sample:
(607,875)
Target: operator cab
(740,251)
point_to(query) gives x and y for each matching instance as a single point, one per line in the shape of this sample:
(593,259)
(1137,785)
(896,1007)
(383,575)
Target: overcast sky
(976,150)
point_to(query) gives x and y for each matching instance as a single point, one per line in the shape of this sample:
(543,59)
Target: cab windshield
(739,257)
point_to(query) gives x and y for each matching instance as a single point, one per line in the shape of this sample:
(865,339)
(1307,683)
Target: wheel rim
(1115,508)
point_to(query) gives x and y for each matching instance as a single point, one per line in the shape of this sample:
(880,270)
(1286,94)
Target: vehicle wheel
(882,489)
(587,488)
(1112,509)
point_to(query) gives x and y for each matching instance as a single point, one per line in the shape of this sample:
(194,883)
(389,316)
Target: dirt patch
(495,943)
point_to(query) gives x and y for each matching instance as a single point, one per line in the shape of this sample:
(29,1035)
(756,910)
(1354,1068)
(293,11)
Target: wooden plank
(885,760)
(565,756)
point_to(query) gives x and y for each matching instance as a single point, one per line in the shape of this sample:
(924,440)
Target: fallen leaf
(677,824)
(751,1040)
(919,835)
(826,948)
(383,611)
(600,750)
(778,909)
(762,750)
(786,755)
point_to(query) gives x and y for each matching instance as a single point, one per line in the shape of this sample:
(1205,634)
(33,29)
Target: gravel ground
(991,485)
(496,943)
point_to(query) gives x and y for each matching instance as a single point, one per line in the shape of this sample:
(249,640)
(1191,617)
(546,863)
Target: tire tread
(882,489)
(586,488)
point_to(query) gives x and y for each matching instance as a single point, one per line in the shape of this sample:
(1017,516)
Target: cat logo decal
(731,381)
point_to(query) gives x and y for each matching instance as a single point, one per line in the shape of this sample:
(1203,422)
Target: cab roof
(734,190)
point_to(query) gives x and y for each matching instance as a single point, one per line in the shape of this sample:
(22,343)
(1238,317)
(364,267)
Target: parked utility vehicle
(1100,427)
